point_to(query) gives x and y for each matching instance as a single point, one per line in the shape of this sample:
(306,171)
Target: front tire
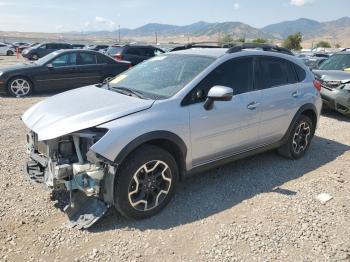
(19,87)
(145,182)
(299,139)
(10,53)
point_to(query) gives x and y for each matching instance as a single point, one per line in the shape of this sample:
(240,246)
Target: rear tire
(145,182)
(299,140)
(10,53)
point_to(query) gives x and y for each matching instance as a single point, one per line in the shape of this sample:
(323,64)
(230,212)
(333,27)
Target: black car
(41,50)
(133,53)
(60,70)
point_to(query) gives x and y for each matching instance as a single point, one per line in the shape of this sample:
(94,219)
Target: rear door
(90,72)
(230,127)
(278,82)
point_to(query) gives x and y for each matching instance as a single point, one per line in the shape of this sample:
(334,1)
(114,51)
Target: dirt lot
(263,208)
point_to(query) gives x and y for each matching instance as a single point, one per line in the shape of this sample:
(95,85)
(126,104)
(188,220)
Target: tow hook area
(84,211)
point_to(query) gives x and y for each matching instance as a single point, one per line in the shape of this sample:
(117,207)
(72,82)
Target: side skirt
(234,157)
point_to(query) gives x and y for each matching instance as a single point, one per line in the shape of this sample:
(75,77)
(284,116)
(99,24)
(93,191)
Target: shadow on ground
(335,115)
(212,192)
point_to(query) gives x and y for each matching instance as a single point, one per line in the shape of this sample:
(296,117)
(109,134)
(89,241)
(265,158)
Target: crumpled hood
(333,75)
(79,109)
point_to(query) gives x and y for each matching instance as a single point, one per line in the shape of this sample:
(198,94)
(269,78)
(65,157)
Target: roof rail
(199,45)
(264,47)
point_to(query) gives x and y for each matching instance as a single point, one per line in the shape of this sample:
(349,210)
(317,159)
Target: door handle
(296,94)
(253,105)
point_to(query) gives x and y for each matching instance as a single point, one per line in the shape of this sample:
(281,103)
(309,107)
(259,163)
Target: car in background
(41,50)
(60,70)
(21,49)
(6,49)
(334,75)
(78,46)
(133,53)
(18,44)
(97,47)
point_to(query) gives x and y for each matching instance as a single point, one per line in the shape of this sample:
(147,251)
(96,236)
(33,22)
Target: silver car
(128,143)
(334,75)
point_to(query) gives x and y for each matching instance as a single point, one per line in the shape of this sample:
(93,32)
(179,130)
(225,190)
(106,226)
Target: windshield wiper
(127,91)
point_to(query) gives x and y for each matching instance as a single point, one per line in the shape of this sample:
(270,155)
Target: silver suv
(128,143)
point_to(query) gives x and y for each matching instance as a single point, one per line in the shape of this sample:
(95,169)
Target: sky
(91,15)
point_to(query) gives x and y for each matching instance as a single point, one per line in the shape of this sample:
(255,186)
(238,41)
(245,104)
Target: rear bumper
(336,99)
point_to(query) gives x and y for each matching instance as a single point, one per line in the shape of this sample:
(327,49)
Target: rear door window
(87,59)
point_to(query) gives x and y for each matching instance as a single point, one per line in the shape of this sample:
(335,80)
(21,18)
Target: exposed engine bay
(65,163)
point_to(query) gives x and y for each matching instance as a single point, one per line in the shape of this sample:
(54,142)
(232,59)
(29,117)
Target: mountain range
(309,29)
(335,32)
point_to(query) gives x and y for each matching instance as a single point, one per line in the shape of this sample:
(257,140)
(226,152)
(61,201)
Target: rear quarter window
(300,73)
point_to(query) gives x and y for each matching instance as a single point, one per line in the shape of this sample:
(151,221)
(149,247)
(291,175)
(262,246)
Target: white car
(6,49)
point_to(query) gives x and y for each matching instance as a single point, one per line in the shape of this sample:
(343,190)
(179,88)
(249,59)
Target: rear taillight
(130,65)
(317,85)
(118,57)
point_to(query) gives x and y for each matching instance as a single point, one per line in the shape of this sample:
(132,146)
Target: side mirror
(49,66)
(218,93)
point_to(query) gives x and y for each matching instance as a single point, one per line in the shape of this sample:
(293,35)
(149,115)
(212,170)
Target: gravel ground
(263,208)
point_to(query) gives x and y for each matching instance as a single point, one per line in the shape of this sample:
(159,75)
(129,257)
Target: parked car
(130,142)
(17,44)
(6,49)
(78,46)
(334,75)
(97,47)
(133,53)
(41,50)
(60,70)
(21,49)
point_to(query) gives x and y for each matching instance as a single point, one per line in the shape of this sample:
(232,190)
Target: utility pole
(119,33)
(156,38)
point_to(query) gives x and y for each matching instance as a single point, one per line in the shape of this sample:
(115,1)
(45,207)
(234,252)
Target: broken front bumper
(336,99)
(81,179)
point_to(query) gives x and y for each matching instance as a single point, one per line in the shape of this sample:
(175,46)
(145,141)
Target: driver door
(61,73)
(230,127)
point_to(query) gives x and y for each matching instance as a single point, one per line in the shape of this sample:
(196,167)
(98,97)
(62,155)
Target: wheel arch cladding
(163,139)
(308,110)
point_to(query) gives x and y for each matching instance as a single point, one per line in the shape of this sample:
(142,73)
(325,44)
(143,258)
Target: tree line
(292,42)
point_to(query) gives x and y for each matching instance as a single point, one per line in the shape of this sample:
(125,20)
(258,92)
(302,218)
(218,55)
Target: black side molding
(166,135)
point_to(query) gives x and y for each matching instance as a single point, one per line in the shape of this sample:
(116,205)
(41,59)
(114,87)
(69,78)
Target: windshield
(336,62)
(162,76)
(45,59)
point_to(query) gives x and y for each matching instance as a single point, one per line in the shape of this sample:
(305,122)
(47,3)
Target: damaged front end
(67,163)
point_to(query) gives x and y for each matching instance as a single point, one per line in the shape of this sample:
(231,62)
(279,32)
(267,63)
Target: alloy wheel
(150,185)
(20,87)
(301,137)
